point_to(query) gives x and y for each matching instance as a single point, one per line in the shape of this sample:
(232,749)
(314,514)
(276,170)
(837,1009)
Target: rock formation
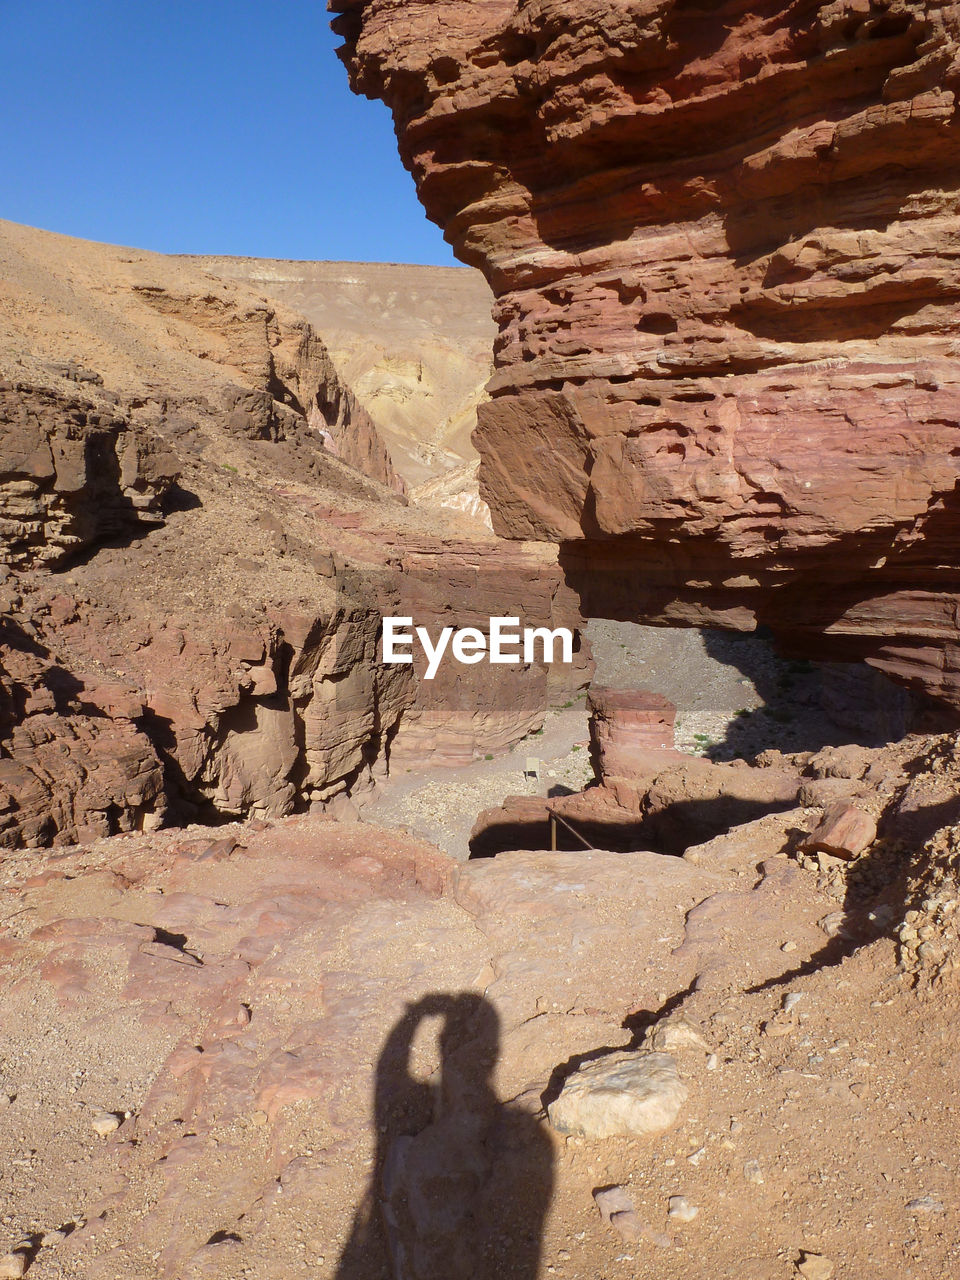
(201,531)
(722,241)
(625,726)
(413,343)
(646,794)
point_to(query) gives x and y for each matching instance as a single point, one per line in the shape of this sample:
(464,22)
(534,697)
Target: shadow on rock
(806,705)
(461,1181)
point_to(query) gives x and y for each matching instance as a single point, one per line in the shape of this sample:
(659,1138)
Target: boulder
(620,1095)
(844,831)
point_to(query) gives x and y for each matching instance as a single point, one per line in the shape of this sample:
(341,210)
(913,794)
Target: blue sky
(199,126)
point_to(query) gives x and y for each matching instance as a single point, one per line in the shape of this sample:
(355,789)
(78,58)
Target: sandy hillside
(414,344)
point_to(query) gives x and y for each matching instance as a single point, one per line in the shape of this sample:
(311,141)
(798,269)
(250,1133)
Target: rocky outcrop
(69,768)
(72,476)
(290,387)
(722,244)
(151,336)
(626,725)
(413,343)
(194,578)
(136,689)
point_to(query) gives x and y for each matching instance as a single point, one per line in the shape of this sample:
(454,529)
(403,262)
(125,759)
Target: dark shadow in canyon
(805,705)
(461,1181)
(671,831)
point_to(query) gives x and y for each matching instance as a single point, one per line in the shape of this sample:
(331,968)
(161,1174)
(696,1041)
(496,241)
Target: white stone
(618,1210)
(12,1266)
(753,1173)
(681,1208)
(925,1204)
(675,1033)
(619,1095)
(833,925)
(104,1123)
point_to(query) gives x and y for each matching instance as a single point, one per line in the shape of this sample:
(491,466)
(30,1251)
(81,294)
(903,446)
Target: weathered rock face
(196,557)
(723,246)
(625,726)
(168,677)
(71,476)
(413,343)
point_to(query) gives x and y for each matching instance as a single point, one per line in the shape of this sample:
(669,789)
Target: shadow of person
(461,1182)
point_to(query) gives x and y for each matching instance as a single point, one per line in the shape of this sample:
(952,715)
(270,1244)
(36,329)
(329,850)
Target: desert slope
(414,343)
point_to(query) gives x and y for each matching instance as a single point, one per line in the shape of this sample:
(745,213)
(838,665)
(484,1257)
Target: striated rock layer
(194,570)
(723,242)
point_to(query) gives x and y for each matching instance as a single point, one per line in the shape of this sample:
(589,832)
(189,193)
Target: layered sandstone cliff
(723,244)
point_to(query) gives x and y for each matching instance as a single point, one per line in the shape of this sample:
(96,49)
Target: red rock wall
(230,668)
(466,711)
(723,241)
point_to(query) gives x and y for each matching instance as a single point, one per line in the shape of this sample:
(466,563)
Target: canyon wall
(413,343)
(723,242)
(193,573)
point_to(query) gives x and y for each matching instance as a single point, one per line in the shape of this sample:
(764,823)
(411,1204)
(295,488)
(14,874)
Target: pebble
(681,1208)
(13,1266)
(753,1173)
(925,1204)
(833,924)
(788,947)
(675,1033)
(776,1028)
(104,1123)
(712,1062)
(51,1239)
(791,1000)
(697,1156)
(618,1210)
(815,1266)
(620,1095)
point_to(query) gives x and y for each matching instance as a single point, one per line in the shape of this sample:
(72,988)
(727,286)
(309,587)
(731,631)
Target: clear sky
(200,126)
